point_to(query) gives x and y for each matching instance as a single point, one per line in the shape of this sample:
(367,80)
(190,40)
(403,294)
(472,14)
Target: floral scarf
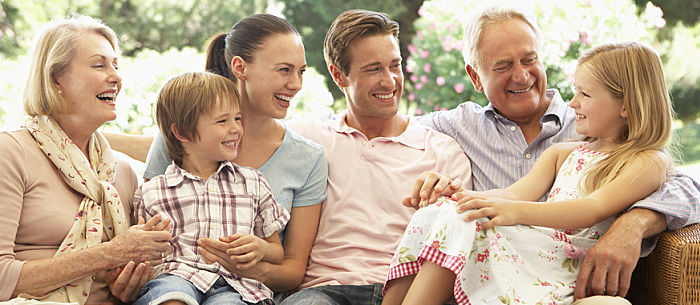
(100,212)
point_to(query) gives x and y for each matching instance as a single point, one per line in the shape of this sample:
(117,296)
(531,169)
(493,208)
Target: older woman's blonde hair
(52,52)
(483,17)
(632,72)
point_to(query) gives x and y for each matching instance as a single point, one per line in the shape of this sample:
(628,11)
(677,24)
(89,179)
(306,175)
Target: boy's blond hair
(183,100)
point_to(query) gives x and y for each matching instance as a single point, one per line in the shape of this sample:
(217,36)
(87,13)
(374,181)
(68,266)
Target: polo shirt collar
(413,136)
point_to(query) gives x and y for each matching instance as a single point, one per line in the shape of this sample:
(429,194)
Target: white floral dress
(506,264)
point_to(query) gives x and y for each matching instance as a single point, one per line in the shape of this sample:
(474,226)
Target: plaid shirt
(233,200)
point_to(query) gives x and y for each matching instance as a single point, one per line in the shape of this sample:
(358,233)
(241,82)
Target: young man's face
(374,83)
(511,72)
(220,132)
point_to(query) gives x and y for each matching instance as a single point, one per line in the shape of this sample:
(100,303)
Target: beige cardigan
(37,208)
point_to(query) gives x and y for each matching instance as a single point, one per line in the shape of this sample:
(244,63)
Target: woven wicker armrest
(671,274)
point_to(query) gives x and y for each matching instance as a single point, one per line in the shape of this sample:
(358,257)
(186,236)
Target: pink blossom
(424,54)
(571,251)
(412,48)
(459,88)
(418,86)
(424,79)
(440,81)
(585,38)
(419,111)
(435,244)
(412,97)
(413,78)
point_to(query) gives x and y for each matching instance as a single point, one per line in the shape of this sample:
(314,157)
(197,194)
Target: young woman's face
(274,76)
(91,83)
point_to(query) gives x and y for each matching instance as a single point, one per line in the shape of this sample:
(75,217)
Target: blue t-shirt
(297,171)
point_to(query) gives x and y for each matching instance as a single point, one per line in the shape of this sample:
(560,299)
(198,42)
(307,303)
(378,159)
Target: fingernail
(423,194)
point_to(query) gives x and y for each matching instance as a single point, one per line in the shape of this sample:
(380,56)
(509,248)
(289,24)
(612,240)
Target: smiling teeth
(384,96)
(107,96)
(283,97)
(580,116)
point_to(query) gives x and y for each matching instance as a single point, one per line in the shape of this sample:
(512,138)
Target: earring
(60,92)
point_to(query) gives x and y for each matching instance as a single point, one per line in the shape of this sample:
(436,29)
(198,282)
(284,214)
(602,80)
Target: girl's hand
(501,212)
(245,250)
(126,281)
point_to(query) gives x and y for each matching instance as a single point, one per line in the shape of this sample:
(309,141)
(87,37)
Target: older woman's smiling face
(90,83)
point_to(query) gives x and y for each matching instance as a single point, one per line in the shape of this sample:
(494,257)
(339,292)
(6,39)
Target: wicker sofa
(671,274)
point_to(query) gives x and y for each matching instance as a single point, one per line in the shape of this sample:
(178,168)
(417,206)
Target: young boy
(206,195)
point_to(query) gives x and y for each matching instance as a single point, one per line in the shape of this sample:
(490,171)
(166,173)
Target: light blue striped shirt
(500,155)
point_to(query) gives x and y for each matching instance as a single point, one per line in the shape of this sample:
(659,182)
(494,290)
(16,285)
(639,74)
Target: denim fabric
(337,295)
(172,287)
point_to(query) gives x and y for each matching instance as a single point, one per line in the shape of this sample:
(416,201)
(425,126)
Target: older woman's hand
(126,281)
(140,243)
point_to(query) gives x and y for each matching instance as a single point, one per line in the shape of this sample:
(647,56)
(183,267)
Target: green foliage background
(161,38)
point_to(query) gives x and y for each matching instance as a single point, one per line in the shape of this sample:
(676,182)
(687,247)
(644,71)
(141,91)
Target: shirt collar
(413,136)
(556,110)
(175,175)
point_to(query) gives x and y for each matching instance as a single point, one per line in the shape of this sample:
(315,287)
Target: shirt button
(527,156)
(512,128)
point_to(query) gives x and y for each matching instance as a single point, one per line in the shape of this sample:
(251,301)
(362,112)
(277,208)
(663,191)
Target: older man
(523,118)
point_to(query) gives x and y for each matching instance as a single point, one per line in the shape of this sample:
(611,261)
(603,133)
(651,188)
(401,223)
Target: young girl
(484,257)
(264,55)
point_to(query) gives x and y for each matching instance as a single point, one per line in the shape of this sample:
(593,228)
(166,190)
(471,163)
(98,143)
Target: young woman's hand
(126,281)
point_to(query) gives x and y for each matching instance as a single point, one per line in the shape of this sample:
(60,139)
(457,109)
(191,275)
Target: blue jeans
(167,287)
(337,295)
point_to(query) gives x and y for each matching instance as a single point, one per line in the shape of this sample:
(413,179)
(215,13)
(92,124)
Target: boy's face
(220,131)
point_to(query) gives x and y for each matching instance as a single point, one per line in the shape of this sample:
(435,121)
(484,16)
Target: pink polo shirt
(363,219)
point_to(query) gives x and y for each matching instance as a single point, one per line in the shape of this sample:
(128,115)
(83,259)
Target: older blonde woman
(65,199)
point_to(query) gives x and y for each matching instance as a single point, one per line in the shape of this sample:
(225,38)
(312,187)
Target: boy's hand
(245,250)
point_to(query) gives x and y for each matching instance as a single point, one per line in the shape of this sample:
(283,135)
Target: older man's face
(510,72)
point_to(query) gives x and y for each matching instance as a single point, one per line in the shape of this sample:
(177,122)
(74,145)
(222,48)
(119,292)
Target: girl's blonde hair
(52,52)
(632,72)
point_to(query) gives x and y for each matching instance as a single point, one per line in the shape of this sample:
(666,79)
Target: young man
(374,154)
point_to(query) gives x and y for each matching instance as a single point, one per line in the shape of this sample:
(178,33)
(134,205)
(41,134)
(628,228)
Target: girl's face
(598,113)
(91,83)
(274,76)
